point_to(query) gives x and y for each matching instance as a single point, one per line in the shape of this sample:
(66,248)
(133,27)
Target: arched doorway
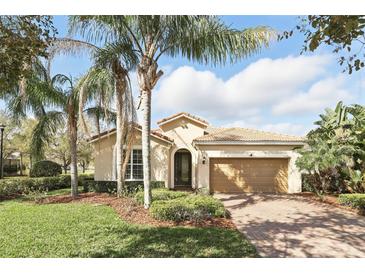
(182,168)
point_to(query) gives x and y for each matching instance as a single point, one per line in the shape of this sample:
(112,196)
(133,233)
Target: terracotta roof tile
(155,133)
(246,135)
(183,113)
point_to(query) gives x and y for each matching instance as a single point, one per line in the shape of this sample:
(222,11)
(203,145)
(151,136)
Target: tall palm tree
(54,103)
(112,63)
(204,39)
(65,86)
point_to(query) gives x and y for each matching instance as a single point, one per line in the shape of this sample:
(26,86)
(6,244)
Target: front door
(182,160)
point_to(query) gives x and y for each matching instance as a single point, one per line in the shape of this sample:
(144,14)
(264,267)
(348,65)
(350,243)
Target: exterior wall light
(204,160)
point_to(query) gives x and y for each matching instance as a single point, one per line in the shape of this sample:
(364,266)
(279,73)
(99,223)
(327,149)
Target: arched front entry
(182,168)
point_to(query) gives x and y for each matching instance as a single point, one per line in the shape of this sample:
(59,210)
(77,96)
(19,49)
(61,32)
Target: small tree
(85,153)
(58,149)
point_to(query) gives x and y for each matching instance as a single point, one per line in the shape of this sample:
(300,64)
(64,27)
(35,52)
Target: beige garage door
(248,175)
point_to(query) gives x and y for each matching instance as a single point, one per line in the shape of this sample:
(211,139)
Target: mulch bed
(129,210)
(330,200)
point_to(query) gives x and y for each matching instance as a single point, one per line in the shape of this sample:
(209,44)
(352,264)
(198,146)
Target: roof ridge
(183,113)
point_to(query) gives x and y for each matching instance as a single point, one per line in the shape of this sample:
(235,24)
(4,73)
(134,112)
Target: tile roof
(156,133)
(181,114)
(245,135)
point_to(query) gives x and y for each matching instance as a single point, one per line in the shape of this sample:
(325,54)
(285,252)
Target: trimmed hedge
(45,169)
(356,201)
(24,185)
(160,194)
(18,186)
(111,186)
(192,207)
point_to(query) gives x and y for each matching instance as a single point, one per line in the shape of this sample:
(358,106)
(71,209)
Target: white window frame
(131,164)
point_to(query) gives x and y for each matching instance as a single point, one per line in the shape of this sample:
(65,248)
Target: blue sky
(277,89)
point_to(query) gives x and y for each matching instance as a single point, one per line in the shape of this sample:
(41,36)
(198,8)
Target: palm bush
(334,160)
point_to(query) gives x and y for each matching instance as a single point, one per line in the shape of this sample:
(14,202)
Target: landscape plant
(334,159)
(45,168)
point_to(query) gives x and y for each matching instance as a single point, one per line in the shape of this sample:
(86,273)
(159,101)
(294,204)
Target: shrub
(17,186)
(160,194)
(356,201)
(99,186)
(45,169)
(83,177)
(29,186)
(191,207)
(111,186)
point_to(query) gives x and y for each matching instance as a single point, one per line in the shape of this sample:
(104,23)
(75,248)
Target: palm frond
(46,127)
(97,85)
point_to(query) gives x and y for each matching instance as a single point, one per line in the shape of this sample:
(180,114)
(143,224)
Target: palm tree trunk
(119,144)
(72,131)
(146,127)
(147,79)
(120,86)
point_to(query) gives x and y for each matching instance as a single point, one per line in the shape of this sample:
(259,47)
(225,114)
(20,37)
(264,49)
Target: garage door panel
(248,175)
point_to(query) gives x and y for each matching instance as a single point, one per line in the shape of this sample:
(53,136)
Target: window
(134,169)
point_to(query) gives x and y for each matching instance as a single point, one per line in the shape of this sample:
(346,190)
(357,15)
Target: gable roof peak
(181,114)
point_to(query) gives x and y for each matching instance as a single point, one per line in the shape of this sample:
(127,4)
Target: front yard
(95,230)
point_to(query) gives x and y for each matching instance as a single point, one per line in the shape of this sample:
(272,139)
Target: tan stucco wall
(103,151)
(160,161)
(104,158)
(245,151)
(183,131)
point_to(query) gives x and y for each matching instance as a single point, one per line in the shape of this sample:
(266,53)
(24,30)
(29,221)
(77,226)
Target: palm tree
(65,86)
(108,77)
(40,93)
(205,39)
(34,95)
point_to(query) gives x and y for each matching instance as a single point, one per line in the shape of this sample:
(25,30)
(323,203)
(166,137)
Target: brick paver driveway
(294,226)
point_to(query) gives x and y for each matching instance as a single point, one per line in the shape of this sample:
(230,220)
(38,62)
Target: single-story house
(188,152)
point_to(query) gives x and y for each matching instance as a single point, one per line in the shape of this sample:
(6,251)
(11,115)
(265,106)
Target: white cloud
(266,85)
(287,128)
(322,94)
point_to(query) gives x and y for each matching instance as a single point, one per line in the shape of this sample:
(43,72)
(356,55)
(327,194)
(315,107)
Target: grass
(63,191)
(85,230)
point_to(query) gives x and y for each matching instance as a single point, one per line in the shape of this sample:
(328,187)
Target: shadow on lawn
(175,242)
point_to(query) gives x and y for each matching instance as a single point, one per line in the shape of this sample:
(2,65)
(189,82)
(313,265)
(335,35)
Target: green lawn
(84,230)
(63,191)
